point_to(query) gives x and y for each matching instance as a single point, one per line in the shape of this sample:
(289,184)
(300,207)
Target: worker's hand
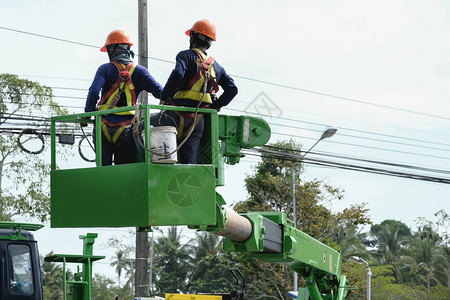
(164,102)
(85,124)
(213,107)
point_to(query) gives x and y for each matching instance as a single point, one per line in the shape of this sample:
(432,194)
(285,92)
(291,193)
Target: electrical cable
(367,138)
(32,132)
(351,144)
(362,160)
(288,119)
(343,128)
(368,147)
(81,152)
(253,79)
(297,158)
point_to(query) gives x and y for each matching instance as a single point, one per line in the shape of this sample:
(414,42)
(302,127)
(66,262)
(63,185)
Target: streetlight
(329,132)
(359,260)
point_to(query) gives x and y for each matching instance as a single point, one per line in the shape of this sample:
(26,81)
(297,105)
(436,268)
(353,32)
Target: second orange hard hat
(204,27)
(116,37)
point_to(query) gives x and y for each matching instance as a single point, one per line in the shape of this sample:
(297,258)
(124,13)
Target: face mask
(120,53)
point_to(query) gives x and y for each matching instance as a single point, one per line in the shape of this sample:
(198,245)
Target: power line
(49,37)
(341,97)
(341,128)
(300,121)
(370,139)
(418,168)
(353,167)
(255,80)
(341,143)
(313,123)
(305,122)
(365,146)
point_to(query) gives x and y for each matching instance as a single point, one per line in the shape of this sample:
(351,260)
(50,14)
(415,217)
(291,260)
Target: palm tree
(427,253)
(391,240)
(52,277)
(121,262)
(351,241)
(206,243)
(172,262)
(206,247)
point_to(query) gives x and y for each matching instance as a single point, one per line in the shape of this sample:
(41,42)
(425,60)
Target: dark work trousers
(123,150)
(188,152)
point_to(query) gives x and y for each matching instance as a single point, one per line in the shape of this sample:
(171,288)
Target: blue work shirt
(107,75)
(185,69)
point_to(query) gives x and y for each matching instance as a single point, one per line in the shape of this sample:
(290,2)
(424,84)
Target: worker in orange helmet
(120,81)
(185,87)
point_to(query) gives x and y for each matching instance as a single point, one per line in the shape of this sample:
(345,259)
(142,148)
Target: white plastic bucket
(163,140)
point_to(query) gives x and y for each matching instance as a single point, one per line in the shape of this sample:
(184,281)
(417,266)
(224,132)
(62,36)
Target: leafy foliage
(271,188)
(172,263)
(24,189)
(52,278)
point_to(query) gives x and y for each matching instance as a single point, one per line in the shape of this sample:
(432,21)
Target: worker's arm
(230,89)
(96,87)
(175,78)
(147,82)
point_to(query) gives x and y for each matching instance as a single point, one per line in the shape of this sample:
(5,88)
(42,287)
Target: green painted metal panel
(110,196)
(182,194)
(306,250)
(129,195)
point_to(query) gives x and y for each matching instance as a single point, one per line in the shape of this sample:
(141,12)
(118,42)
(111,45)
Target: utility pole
(143,42)
(141,288)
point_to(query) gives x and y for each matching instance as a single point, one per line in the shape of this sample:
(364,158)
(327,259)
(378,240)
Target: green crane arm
(147,194)
(271,237)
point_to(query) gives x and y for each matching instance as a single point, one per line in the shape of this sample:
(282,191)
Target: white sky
(389,53)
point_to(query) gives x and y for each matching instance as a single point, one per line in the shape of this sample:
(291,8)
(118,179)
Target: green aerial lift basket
(146,194)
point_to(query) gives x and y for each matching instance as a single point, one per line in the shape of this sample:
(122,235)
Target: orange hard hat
(116,37)
(204,27)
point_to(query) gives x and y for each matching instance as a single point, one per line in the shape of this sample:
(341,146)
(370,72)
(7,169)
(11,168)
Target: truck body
(20,270)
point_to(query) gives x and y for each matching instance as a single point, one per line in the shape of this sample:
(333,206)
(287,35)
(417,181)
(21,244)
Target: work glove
(85,124)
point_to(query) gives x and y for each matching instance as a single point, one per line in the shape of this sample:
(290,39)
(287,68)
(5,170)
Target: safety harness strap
(181,134)
(195,86)
(113,139)
(123,84)
(204,67)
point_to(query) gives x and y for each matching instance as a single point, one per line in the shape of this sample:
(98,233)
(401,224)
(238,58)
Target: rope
(135,122)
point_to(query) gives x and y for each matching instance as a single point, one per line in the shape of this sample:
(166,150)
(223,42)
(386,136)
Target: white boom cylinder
(237,227)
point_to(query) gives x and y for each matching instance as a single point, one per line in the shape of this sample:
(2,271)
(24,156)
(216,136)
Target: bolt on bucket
(163,141)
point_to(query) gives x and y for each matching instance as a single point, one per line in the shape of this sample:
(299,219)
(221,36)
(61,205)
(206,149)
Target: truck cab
(20,271)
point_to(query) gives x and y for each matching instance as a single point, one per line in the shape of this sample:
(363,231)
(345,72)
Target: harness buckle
(124,75)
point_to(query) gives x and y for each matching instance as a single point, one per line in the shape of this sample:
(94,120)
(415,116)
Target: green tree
(172,263)
(430,252)
(270,189)
(426,252)
(24,188)
(350,241)
(443,224)
(103,288)
(121,262)
(391,239)
(52,279)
